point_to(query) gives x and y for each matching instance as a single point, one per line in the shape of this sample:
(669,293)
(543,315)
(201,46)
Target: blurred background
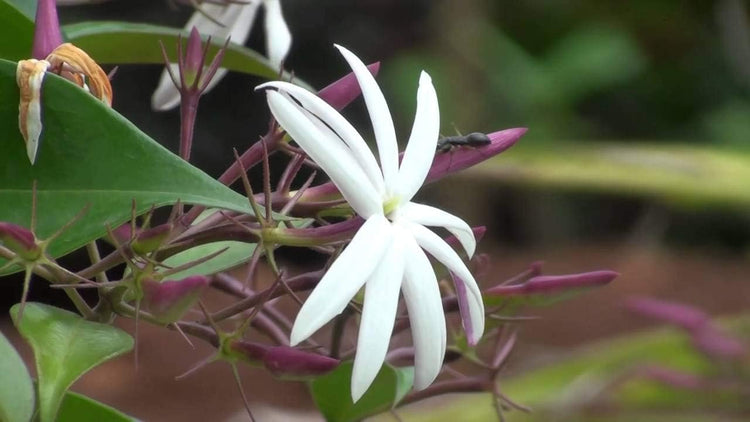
(637,157)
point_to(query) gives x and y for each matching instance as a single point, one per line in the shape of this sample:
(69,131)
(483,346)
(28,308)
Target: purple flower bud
(462,158)
(554,283)
(290,363)
(19,240)
(248,351)
(192,65)
(283,361)
(678,314)
(121,234)
(47,34)
(713,342)
(169,300)
(345,90)
(149,240)
(706,336)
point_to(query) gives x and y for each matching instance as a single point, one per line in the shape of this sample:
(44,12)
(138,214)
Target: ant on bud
(474,139)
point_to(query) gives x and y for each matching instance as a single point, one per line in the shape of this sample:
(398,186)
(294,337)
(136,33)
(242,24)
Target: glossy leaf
(90,155)
(16,388)
(235,254)
(79,408)
(16,24)
(65,347)
(333,397)
(124,42)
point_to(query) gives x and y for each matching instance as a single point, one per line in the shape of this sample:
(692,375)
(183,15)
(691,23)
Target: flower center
(390,205)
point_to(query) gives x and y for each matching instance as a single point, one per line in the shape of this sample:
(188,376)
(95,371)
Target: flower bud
(167,301)
(282,361)
(46,29)
(294,364)
(149,240)
(554,283)
(20,240)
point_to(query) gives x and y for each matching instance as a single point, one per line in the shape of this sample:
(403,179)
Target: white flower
(237,21)
(387,252)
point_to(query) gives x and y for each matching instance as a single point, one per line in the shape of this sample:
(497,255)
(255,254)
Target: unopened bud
(149,240)
(169,300)
(290,363)
(46,29)
(20,240)
(554,283)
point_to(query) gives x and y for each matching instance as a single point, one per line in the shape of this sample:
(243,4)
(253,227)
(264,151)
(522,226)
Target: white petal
(345,277)
(426,316)
(421,147)
(330,154)
(435,217)
(278,38)
(382,123)
(238,21)
(340,125)
(378,316)
(437,247)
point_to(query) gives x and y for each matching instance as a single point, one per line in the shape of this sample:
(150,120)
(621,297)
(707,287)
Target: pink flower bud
(290,363)
(149,240)
(554,283)
(46,29)
(19,240)
(169,300)
(283,361)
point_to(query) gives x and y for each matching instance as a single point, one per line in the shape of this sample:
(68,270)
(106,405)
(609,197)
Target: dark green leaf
(333,397)
(16,388)
(16,28)
(65,347)
(78,408)
(90,155)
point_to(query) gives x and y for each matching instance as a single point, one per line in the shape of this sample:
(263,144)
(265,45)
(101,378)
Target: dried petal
(29,77)
(74,64)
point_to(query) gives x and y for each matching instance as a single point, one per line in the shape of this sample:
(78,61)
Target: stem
(463,385)
(95,257)
(299,283)
(188,112)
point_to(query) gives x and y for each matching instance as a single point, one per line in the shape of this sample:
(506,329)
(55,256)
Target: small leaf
(16,388)
(79,408)
(332,392)
(65,347)
(235,254)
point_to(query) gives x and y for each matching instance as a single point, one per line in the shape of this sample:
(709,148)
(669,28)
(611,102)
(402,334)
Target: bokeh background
(630,86)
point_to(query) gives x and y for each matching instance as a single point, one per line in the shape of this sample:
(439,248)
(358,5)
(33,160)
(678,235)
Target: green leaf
(90,155)
(65,347)
(333,397)
(235,254)
(16,28)
(684,175)
(123,43)
(79,408)
(16,387)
